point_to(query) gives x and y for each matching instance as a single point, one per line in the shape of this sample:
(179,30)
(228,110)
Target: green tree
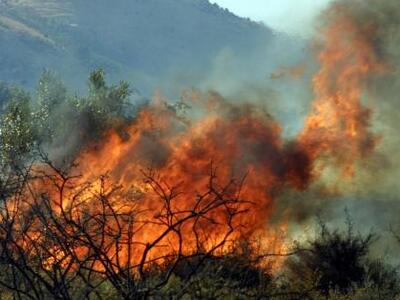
(105,106)
(51,97)
(17,129)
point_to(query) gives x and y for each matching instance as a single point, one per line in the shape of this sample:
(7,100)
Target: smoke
(381,170)
(371,193)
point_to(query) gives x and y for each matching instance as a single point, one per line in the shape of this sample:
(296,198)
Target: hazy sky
(292,16)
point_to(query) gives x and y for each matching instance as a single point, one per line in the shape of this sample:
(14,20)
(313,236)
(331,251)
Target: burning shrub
(57,233)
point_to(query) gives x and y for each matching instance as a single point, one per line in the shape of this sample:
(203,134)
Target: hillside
(141,40)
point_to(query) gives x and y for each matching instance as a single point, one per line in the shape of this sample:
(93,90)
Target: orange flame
(339,124)
(240,140)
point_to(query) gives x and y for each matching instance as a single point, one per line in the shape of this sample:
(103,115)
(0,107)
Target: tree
(54,117)
(51,99)
(105,107)
(17,129)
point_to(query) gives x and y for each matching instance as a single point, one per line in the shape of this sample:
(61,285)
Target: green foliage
(54,116)
(51,92)
(51,97)
(106,106)
(17,128)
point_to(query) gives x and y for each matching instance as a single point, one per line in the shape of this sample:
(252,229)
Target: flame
(339,124)
(242,142)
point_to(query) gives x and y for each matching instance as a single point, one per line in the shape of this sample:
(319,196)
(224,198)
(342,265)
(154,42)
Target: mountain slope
(143,40)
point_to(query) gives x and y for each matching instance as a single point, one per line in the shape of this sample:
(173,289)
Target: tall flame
(339,124)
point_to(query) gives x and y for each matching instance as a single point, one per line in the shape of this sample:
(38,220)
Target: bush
(333,261)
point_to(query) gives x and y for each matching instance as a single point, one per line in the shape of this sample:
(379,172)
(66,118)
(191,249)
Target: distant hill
(140,40)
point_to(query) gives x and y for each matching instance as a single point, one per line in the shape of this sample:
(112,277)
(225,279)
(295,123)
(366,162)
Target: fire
(167,161)
(339,124)
(242,142)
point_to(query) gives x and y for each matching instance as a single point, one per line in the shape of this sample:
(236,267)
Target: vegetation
(40,234)
(49,118)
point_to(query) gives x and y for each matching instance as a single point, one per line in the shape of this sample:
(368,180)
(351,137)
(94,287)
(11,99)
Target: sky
(292,16)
